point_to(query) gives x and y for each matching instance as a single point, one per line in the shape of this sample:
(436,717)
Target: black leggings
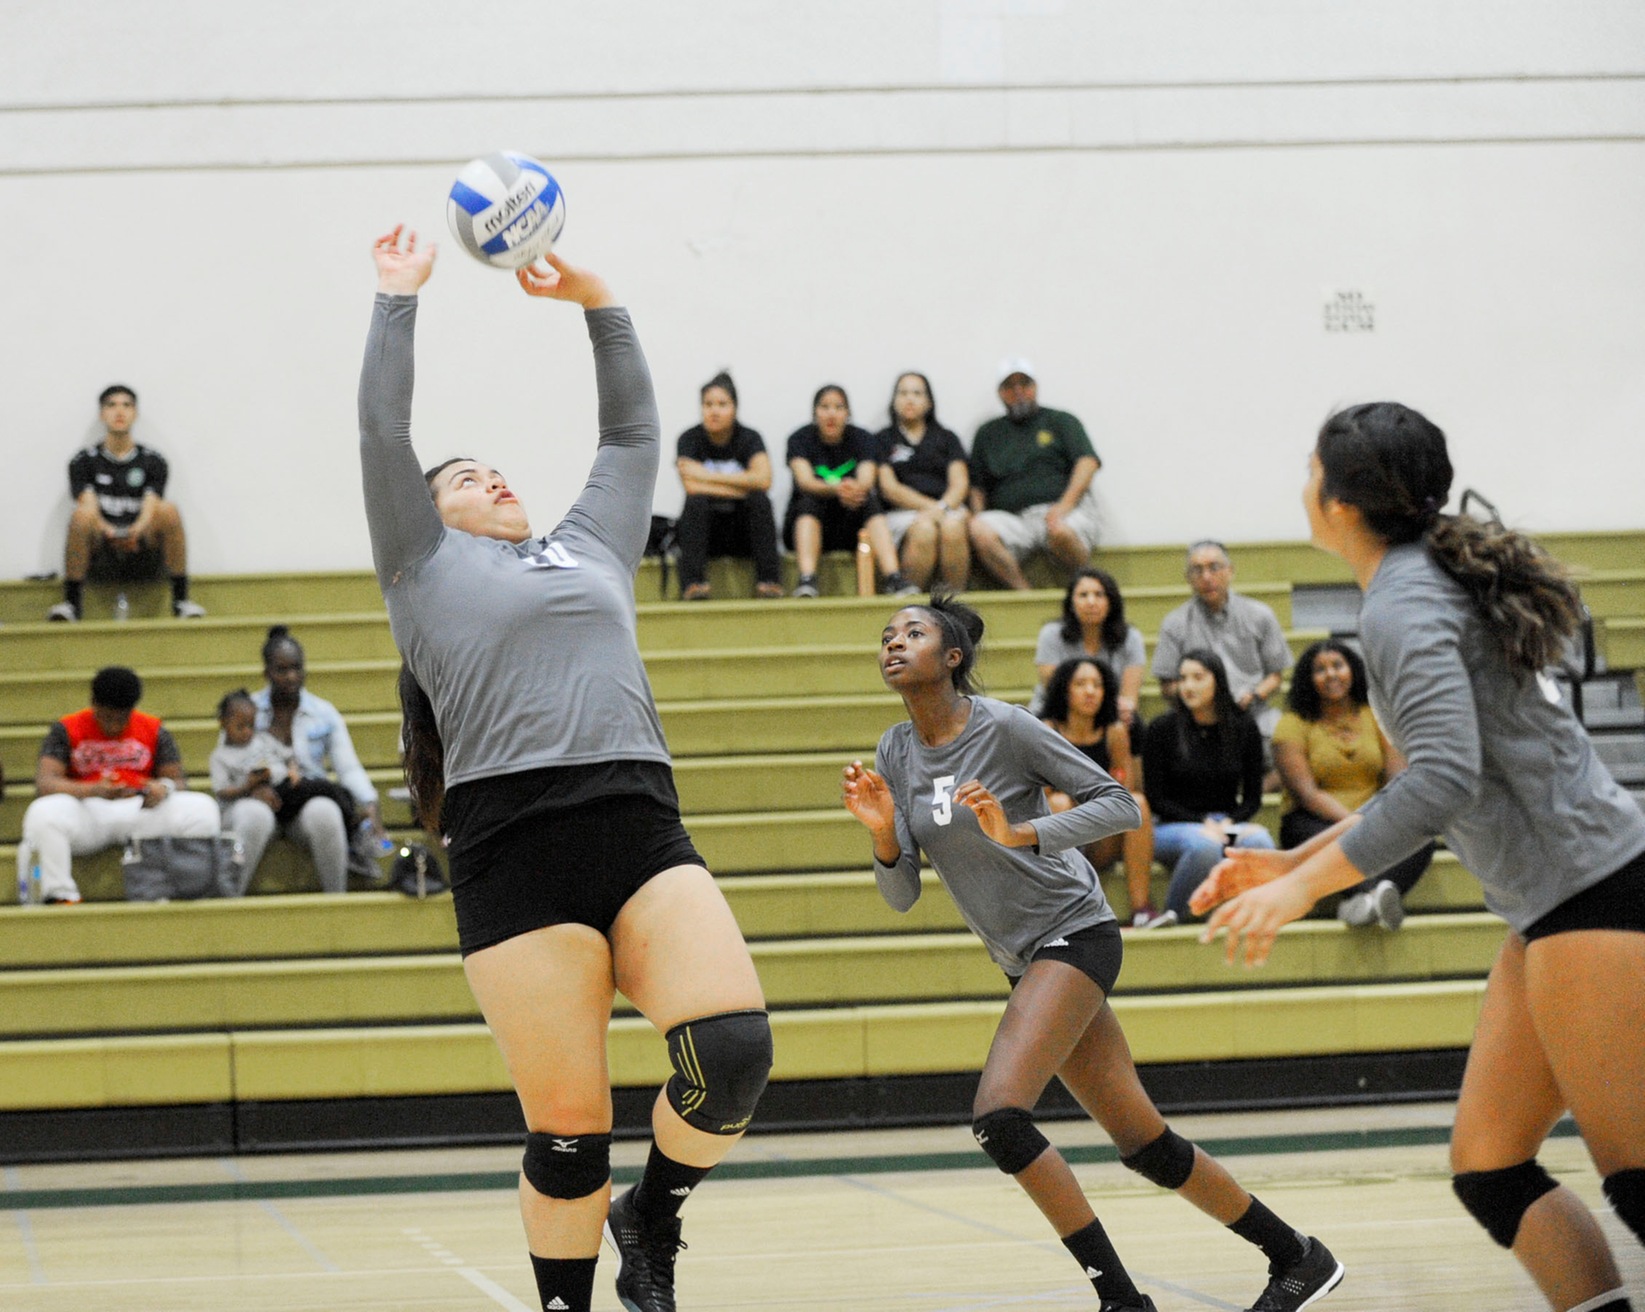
(717,526)
(295,796)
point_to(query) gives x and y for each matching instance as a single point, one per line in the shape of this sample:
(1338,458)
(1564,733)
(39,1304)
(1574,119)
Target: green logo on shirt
(837,473)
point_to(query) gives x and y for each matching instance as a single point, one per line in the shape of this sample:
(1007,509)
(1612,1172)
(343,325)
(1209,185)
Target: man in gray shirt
(1244,632)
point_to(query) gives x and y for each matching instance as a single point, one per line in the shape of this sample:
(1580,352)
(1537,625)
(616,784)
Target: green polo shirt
(1027,464)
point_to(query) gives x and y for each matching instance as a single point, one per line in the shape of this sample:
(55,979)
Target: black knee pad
(567,1165)
(1011,1138)
(1626,1192)
(1168,1161)
(1498,1199)
(721,1064)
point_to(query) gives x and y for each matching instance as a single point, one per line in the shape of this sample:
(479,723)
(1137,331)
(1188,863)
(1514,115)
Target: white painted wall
(1154,201)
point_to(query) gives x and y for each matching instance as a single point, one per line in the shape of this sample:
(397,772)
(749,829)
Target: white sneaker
(1164,920)
(188,610)
(64,613)
(1387,906)
(1357,909)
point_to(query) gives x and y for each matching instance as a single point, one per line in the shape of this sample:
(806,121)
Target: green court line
(21,1200)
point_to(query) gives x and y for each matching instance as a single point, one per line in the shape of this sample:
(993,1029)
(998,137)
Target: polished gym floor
(912,1220)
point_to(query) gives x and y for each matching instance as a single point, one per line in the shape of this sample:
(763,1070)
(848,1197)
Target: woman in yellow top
(1333,756)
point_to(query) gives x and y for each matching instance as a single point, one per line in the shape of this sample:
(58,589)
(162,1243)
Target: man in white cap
(1031,472)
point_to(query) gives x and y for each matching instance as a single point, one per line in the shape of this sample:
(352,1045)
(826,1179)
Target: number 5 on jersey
(942,802)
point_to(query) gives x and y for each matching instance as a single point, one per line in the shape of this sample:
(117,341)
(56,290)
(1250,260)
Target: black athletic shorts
(109,565)
(575,864)
(1616,902)
(1097,951)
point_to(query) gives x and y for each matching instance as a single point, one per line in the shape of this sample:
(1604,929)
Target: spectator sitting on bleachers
(924,483)
(1332,757)
(249,764)
(1079,707)
(107,774)
(1093,624)
(314,730)
(832,461)
(122,527)
(1245,633)
(727,477)
(1202,770)
(1031,472)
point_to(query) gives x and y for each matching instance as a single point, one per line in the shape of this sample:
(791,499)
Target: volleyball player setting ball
(1459,622)
(549,777)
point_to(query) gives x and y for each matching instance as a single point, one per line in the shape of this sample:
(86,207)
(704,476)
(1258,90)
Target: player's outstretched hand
(402,265)
(1257,915)
(565,282)
(1240,868)
(867,797)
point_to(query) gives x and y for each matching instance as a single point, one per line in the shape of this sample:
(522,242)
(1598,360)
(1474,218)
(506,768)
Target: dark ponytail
(1390,463)
(961,627)
(423,754)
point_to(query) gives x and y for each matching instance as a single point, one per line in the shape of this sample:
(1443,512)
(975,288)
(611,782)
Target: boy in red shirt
(106,774)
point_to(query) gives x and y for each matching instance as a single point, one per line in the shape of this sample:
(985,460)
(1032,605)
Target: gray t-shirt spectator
(1015,899)
(1054,649)
(1497,763)
(1245,633)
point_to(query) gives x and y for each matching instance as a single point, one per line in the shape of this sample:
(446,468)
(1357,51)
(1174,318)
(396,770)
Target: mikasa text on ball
(506,209)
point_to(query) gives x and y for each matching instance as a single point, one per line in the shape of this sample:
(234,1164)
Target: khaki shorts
(900,521)
(1024,532)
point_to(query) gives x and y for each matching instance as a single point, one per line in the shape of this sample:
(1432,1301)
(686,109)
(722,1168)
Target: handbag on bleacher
(181,869)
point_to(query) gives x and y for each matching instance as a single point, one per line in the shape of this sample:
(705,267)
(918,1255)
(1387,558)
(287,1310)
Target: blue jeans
(1191,853)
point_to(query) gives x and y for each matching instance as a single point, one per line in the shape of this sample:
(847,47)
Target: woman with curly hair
(1079,704)
(1332,757)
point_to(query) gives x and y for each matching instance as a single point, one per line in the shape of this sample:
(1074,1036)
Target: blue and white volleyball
(506,209)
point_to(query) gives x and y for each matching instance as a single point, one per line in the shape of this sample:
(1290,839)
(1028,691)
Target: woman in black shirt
(1202,768)
(924,480)
(834,500)
(727,476)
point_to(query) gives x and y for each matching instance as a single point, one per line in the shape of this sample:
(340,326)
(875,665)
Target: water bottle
(28,881)
(122,607)
(865,565)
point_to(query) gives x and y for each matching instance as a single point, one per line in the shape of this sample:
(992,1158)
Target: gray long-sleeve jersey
(1016,900)
(528,651)
(1497,764)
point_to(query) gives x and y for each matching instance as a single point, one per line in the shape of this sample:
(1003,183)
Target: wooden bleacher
(291,1019)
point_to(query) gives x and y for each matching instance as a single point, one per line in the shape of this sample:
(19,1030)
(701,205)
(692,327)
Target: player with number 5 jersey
(963,781)
(534,747)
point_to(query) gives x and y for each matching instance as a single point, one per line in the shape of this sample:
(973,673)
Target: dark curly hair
(1055,708)
(233,699)
(1114,627)
(1303,697)
(1390,463)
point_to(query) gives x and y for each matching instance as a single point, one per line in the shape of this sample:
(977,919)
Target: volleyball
(506,209)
